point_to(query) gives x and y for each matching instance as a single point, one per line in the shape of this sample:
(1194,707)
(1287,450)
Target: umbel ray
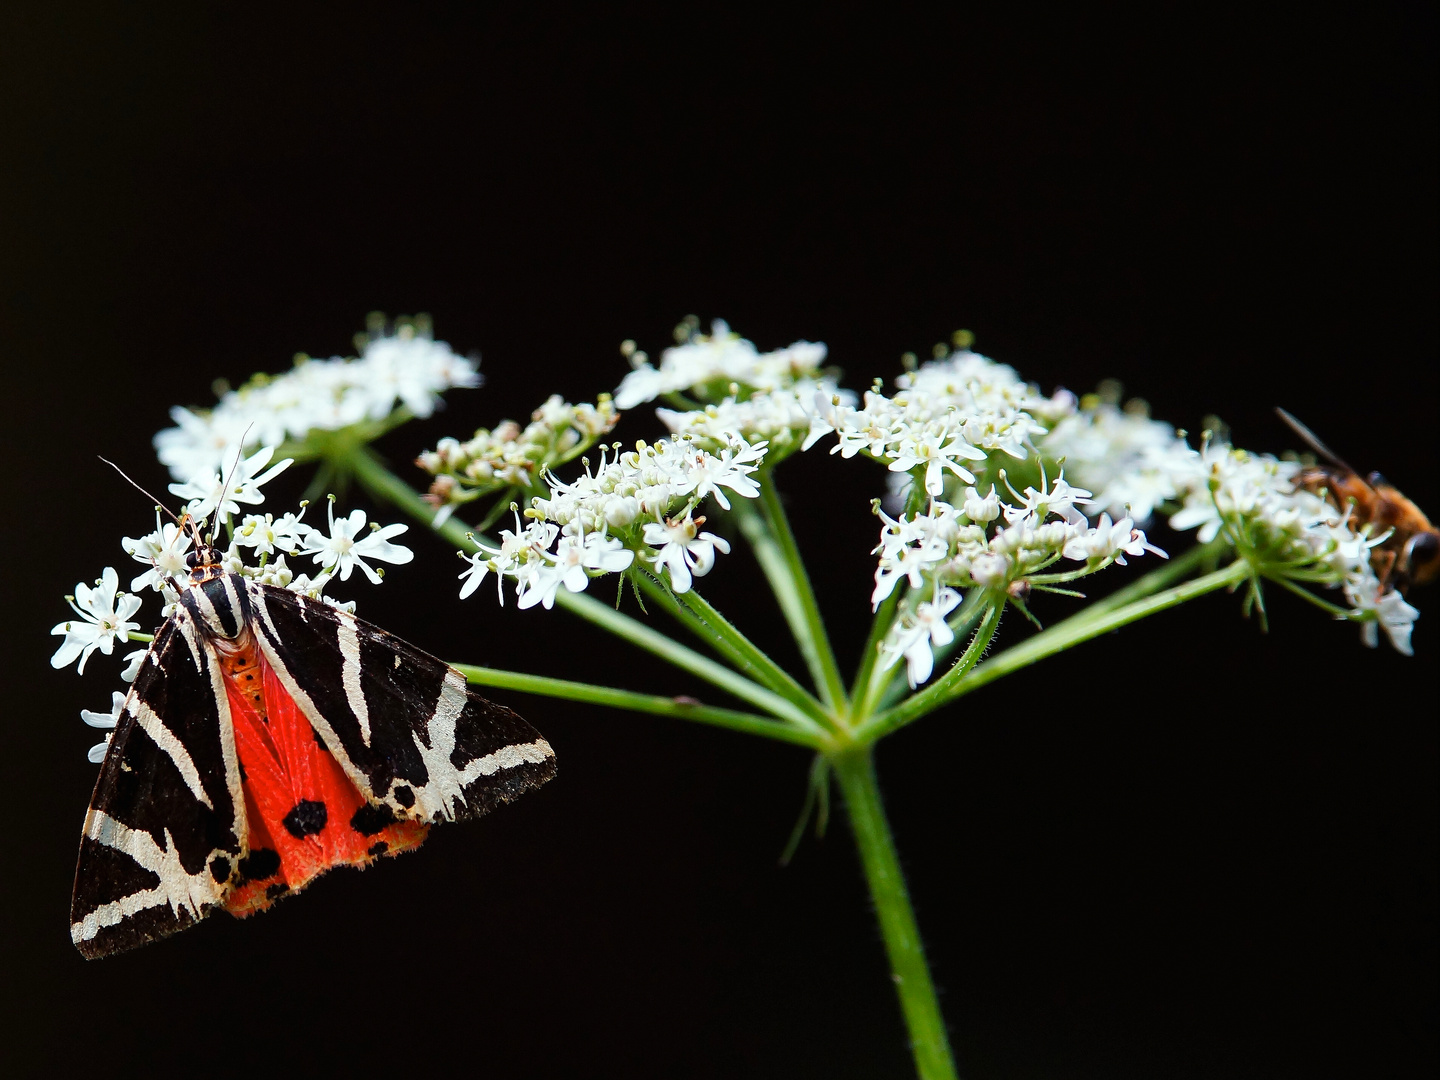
(267,738)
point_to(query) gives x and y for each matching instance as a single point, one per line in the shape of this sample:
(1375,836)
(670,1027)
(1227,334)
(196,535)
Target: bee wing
(1310,439)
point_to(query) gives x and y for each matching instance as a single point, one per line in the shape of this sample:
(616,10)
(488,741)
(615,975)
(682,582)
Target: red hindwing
(299,803)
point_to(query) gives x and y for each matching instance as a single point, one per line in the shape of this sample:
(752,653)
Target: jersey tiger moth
(267,738)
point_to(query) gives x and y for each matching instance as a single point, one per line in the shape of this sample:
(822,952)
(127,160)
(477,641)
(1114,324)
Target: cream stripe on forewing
(266,635)
(115,911)
(191,892)
(170,744)
(441,728)
(507,757)
(446,784)
(442,787)
(207,610)
(229,754)
(228,580)
(350,671)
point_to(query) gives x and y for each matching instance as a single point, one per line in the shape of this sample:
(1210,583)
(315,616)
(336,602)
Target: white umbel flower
(402,368)
(1134,464)
(105,720)
(162,550)
(104,616)
(267,535)
(239,482)
(348,546)
(719,359)
(1393,615)
(684,550)
(916,635)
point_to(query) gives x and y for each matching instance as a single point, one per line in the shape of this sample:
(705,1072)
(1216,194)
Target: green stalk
(966,618)
(678,708)
(1061,636)
(942,688)
(891,685)
(700,617)
(381,483)
(855,772)
(1175,569)
(862,693)
(779,557)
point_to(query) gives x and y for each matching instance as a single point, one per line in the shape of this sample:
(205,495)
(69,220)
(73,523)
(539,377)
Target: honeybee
(1410,555)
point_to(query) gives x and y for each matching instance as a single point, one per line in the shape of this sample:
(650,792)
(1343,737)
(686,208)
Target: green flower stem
(895,684)
(787,577)
(132,636)
(968,615)
(855,771)
(381,483)
(1181,566)
(1072,631)
(772,563)
(943,688)
(1304,594)
(700,617)
(679,708)
(865,688)
(668,649)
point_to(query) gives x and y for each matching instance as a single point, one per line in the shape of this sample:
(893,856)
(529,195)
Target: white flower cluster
(404,369)
(1001,545)
(511,456)
(639,504)
(948,413)
(706,365)
(106,615)
(1141,466)
(1132,463)
(770,397)
(1254,500)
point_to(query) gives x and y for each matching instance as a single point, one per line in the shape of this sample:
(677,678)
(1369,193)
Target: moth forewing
(355,742)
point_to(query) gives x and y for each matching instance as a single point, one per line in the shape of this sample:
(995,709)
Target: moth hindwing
(267,738)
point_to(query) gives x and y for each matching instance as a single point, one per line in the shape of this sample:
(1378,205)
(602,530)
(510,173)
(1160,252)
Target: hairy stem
(699,616)
(855,771)
(864,690)
(779,557)
(680,708)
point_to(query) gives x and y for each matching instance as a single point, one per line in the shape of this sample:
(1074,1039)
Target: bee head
(1422,556)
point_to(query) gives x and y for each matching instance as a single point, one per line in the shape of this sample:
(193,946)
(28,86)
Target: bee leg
(1382,561)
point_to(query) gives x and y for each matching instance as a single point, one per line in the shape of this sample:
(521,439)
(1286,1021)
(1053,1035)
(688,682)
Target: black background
(1190,850)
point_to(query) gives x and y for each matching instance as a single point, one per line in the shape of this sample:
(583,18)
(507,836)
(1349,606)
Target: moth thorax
(217,599)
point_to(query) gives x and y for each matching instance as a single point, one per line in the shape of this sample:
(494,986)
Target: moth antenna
(159,504)
(225,480)
(1310,439)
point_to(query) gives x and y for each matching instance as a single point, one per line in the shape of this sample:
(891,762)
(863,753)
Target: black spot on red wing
(318,740)
(278,889)
(378,849)
(308,817)
(260,864)
(404,796)
(370,819)
(220,868)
